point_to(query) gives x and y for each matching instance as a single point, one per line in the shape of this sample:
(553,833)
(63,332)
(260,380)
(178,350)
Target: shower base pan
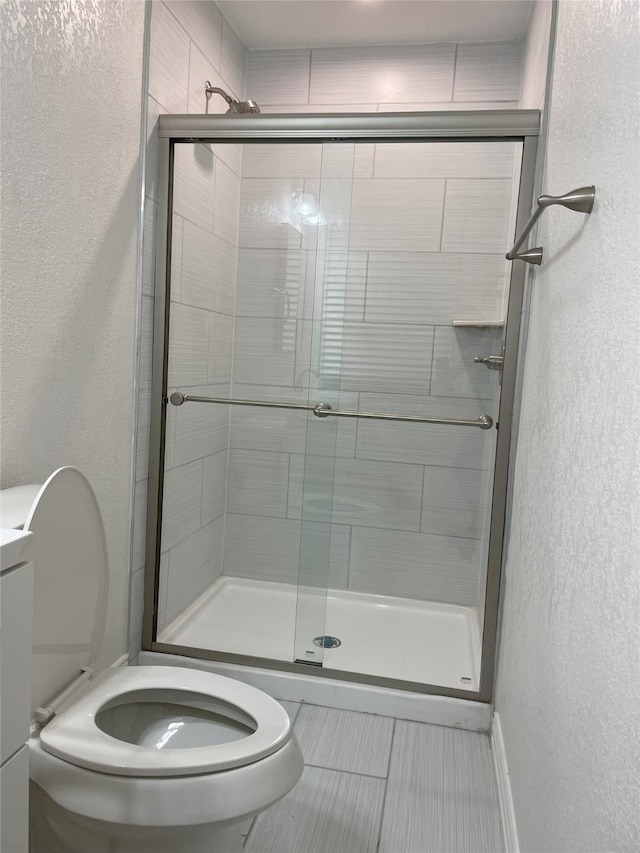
(383,636)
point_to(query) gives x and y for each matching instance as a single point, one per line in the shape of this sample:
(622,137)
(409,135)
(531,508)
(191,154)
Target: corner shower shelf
(478,324)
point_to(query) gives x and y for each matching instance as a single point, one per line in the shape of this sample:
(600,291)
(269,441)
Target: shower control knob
(493,362)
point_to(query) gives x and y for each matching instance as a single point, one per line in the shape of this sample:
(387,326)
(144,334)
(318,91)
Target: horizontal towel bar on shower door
(324,410)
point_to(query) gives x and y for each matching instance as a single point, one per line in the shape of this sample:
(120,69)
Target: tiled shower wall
(189,43)
(429,226)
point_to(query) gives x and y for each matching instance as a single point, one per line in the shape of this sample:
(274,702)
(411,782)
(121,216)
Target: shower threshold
(382,636)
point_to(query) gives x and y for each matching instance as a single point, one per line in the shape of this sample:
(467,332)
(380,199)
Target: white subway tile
(445,159)
(414,565)
(270,283)
(377,494)
(258,483)
(220,347)
(194,565)
(476,216)
(168,60)
(454,373)
(188,345)
(233,62)
(177,237)
(285,109)
(445,106)
(214,485)
(423,444)
(266,213)
(200,429)
(201,69)
(203,23)
(488,71)
(425,288)
(264,351)
(193,195)
(262,548)
(268,429)
(302,160)
(278,76)
(382,74)
(393,215)
(454,501)
(208,270)
(386,357)
(230,153)
(226,203)
(181,503)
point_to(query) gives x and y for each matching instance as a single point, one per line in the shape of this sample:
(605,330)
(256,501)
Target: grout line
(366,288)
(444,208)
(386,786)
(424,474)
(433,350)
(347,772)
(251,828)
(455,72)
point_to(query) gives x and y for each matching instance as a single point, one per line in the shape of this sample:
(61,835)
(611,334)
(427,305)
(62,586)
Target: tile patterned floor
(373,784)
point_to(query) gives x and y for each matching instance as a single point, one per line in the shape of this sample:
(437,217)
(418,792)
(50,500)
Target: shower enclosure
(336,328)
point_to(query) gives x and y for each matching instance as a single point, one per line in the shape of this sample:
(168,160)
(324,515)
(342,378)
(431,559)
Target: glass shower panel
(368,277)
(426,297)
(325,224)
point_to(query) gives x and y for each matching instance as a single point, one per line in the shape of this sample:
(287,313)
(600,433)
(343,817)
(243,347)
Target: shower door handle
(324,410)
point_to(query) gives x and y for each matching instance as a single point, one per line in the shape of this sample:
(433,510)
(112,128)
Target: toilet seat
(74,736)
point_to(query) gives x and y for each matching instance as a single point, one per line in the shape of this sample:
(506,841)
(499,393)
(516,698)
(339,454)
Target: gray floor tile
(291,708)
(327,812)
(441,794)
(344,740)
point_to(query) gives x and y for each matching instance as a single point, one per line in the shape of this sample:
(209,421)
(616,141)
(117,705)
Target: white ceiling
(269,24)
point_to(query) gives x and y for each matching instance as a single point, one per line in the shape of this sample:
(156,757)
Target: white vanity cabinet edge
(16,609)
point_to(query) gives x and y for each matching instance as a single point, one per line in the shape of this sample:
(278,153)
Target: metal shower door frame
(471,126)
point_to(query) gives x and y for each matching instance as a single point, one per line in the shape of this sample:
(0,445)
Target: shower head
(237,107)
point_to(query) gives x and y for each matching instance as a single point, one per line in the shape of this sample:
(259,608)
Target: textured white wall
(71,89)
(568,692)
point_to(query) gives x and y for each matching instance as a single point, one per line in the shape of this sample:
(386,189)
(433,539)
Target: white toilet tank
(70,577)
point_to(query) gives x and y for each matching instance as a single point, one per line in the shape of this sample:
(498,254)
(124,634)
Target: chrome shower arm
(214,90)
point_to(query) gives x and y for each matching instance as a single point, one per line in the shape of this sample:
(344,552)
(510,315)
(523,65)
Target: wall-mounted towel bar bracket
(580,200)
(324,410)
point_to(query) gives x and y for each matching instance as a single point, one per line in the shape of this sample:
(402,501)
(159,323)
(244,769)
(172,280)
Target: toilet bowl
(151,759)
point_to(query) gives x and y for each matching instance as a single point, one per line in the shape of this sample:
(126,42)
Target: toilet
(149,759)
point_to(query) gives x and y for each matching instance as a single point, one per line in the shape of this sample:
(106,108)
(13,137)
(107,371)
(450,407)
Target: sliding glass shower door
(333,319)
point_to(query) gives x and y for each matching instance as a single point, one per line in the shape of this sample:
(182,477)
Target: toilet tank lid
(15,505)
(69,583)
